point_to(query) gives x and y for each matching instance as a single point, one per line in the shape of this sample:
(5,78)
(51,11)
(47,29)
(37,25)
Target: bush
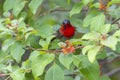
(28,51)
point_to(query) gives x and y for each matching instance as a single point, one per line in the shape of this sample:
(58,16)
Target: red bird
(66,30)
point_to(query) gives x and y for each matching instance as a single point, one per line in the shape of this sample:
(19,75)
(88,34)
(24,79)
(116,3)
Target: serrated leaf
(54,73)
(18,6)
(34,4)
(7,43)
(66,60)
(97,22)
(17,50)
(105,28)
(18,75)
(76,9)
(39,63)
(110,42)
(92,53)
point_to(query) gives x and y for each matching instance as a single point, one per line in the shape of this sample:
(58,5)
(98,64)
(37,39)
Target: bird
(67,30)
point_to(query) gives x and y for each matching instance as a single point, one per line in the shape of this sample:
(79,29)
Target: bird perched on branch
(66,30)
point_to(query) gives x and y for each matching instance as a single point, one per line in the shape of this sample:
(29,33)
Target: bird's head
(65,22)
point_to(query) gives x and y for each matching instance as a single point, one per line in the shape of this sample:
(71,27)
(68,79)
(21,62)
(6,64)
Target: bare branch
(115,21)
(51,51)
(113,72)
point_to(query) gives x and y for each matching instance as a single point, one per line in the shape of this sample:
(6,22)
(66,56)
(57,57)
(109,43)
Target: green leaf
(40,62)
(86,49)
(105,28)
(117,33)
(17,51)
(88,18)
(45,31)
(113,2)
(7,43)
(34,4)
(76,9)
(8,4)
(68,1)
(45,43)
(18,6)
(18,75)
(110,42)
(68,78)
(91,72)
(118,48)
(91,36)
(54,73)
(105,78)
(66,60)
(97,22)
(85,2)
(81,61)
(92,53)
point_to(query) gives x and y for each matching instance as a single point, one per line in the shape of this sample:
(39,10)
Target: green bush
(28,26)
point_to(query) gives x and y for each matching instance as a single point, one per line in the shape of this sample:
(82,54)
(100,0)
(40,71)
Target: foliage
(28,26)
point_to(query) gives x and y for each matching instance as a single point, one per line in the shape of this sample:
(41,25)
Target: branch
(66,10)
(113,72)
(115,21)
(1,74)
(51,51)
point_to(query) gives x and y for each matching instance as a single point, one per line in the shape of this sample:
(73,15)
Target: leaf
(66,60)
(97,22)
(40,62)
(105,28)
(81,61)
(91,71)
(91,36)
(110,42)
(113,2)
(18,6)
(88,18)
(45,43)
(7,43)
(68,78)
(92,53)
(34,4)
(17,50)
(54,73)
(86,49)
(105,78)
(117,33)
(85,2)
(8,4)
(18,75)
(76,9)
(45,31)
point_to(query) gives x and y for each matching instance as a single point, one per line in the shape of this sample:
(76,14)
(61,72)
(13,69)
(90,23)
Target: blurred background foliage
(28,26)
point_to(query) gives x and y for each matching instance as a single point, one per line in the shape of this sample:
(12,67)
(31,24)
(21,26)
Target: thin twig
(50,51)
(115,21)
(113,72)
(1,74)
